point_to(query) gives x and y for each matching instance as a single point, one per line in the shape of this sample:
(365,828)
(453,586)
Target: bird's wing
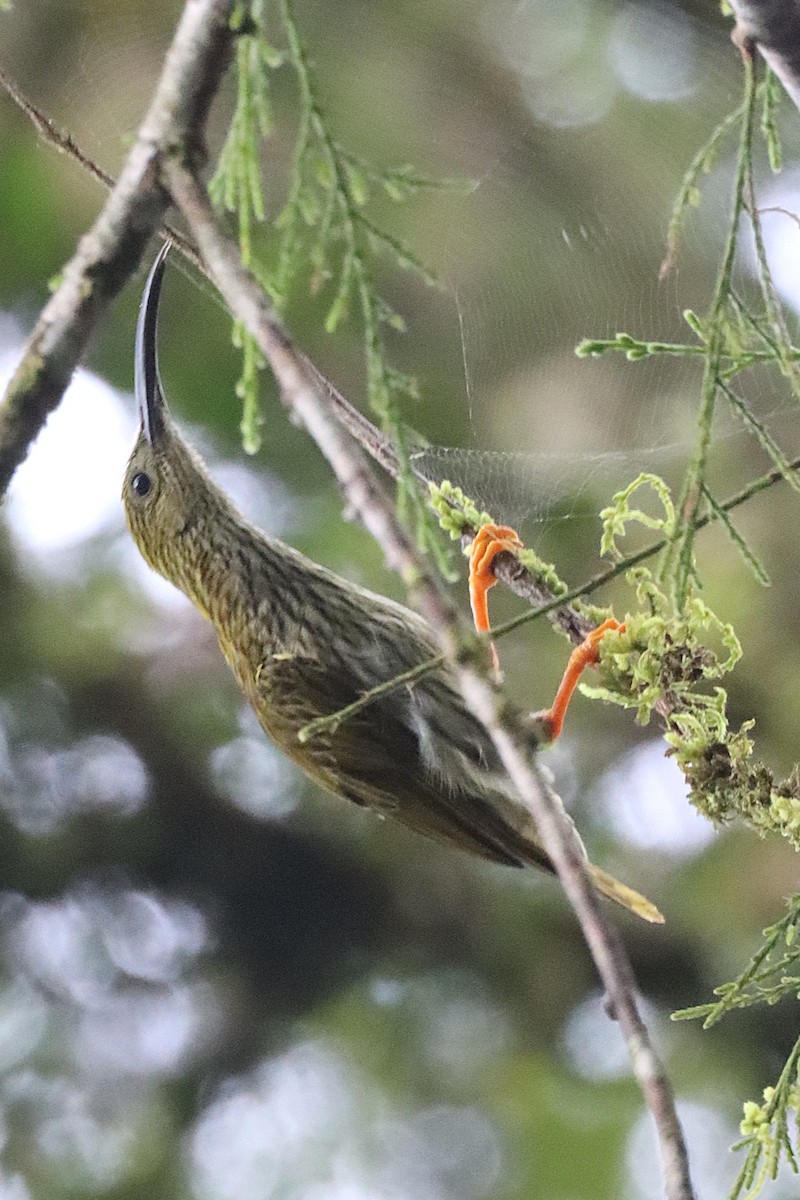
(410,755)
(396,757)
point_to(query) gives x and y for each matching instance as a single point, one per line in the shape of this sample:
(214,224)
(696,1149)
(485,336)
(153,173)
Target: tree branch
(169,141)
(308,398)
(109,253)
(66,144)
(774,27)
(507,568)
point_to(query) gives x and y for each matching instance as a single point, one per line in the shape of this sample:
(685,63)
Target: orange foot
(489,541)
(583,656)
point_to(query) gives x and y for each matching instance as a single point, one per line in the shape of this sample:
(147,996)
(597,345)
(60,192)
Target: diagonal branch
(774,27)
(66,144)
(109,253)
(308,399)
(507,567)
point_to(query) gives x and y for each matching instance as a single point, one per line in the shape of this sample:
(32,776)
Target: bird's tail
(608,886)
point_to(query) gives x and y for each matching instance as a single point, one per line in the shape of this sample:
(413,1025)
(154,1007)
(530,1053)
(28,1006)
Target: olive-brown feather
(303,643)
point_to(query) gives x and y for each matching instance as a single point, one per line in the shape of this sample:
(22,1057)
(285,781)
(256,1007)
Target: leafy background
(214,981)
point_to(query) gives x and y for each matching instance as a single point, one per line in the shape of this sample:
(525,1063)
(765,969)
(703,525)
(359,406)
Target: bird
(304,642)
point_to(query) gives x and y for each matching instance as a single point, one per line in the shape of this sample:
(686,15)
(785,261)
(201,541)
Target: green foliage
(458,515)
(619,514)
(324,234)
(661,656)
(662,661)
(673,652)
(689,193)
(736,335)
(665,660)
(772,974)
(766,1129)
(236,186)
(668,660)
(769,126)
(769,1129)
(544,571)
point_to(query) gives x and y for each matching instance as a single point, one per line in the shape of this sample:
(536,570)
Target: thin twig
(678,561)
(310,402)
(508,569)
(787,473)
(296,377)
(49,131)
(109,253)
(65,143)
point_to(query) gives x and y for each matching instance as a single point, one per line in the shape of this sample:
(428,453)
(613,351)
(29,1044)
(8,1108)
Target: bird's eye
(141,483)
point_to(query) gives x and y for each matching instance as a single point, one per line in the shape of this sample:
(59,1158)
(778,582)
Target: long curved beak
(147,383)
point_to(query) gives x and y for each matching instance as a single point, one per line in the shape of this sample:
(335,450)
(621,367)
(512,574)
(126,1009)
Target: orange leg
(490,541)
(585,655)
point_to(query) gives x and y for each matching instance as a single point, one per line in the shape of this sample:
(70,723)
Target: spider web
(617,109)
(577,125)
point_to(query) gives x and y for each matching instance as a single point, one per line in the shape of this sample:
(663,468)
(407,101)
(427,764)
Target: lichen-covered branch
(109,253)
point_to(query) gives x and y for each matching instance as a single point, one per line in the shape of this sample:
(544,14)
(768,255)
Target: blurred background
(216,982)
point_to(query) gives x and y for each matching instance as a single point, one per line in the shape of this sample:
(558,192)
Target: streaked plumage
(303,642)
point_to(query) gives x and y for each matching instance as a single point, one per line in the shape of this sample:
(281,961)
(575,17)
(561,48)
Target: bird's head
(166,491)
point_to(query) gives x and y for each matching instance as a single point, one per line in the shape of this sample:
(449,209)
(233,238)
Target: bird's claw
(489,541)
